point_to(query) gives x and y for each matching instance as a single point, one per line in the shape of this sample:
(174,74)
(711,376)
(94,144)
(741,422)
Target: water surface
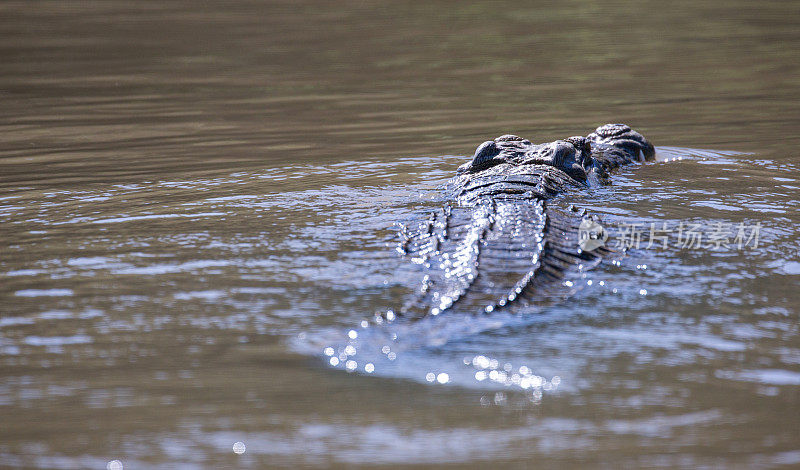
(197,199)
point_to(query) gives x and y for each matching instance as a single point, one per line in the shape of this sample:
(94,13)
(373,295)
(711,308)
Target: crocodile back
(496,253)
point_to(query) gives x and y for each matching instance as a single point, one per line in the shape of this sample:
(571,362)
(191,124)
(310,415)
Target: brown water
(197,198)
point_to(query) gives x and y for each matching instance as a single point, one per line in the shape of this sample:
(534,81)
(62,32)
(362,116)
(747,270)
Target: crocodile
(503,240)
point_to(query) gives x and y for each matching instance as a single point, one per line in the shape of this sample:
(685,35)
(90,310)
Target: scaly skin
(499,244)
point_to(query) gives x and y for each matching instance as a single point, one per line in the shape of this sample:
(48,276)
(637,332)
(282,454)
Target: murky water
(197,199)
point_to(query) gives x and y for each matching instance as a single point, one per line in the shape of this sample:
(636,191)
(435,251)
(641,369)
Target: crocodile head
(567,155)
(622,137)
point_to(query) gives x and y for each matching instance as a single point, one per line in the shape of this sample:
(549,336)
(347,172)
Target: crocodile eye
(483,158)
(563,155)
(485,152)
